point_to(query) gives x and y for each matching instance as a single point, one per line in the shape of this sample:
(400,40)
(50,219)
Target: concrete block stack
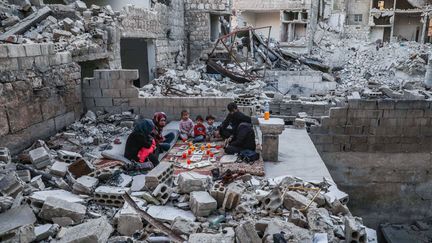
(5,155)
(375,126)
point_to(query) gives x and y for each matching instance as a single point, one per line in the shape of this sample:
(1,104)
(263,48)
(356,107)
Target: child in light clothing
(186,126)
(211,128)
(199,130)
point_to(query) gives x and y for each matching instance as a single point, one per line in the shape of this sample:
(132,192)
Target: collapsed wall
(112,91)
(40,93)
(201,16)
(378,151)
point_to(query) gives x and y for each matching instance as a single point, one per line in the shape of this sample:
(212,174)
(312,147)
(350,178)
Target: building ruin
(349,79)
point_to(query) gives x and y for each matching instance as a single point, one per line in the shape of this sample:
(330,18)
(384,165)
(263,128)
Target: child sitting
(186,126)
(199,130)
(211,128)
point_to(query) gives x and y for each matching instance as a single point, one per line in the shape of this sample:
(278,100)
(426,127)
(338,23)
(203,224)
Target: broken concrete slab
(56,207)
(291,231)
(294,199)
(168,213)
(202,203)
(44,231)
(24,234)
(129,221)
(94,230)
(10,184)
(16,218)
(85,185)
(59,168)
(38,198)
(138,183)
(228,235)
(40,157)
(233,195)
(246,233)
(184,227)
(192,181)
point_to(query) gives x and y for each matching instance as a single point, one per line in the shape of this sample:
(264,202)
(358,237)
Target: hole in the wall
(219,26)
(88,67)
(139,53)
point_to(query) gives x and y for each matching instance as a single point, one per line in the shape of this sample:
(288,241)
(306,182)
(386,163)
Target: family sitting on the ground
(146,141)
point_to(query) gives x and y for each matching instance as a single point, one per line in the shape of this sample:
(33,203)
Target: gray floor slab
(297,157)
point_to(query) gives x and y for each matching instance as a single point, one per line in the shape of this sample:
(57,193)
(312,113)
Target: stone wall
(113,91)
(162,23)
(356,32)
(197,22)
(379,153)
(40,93)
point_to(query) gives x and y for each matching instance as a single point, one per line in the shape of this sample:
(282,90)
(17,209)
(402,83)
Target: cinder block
(202,203)
(25,63)
(110,196)
(129,93)
(137,102)
(113,93)
(160,174)
(16,50)
(32,50)
(130,75)
(233,195)
(3,51)
(103,102)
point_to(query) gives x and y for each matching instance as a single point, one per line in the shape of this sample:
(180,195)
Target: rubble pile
(365,64)
(197,82)
(55,192)
(72,27)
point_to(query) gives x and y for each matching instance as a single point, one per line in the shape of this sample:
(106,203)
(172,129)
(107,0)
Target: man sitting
(233,120)
(243,139)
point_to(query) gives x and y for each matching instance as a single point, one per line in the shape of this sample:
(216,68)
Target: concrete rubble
(195,206)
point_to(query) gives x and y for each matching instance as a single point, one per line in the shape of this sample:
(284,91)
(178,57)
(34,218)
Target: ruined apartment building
(292,22)
(389,20)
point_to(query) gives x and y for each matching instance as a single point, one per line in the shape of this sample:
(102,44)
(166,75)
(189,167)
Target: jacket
(199,129)
(234,120)
(244,137)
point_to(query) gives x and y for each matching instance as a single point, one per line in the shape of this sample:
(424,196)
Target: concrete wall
(379,153)
(40,93)
(407,25)
(113,91)
(293,107)
(261,20)
(197,22)
(358,7)
(164,24)
(299,82)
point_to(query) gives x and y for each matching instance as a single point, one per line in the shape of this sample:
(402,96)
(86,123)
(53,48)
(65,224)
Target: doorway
(139,53)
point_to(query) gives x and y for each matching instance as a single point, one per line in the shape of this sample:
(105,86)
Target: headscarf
(144,127)
(157,117)
(158,129)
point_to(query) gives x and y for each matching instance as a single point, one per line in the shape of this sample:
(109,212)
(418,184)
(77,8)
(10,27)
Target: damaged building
(334,95)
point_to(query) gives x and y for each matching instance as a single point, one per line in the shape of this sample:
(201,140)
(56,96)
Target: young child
(211,128)
(199,130)
(186,126)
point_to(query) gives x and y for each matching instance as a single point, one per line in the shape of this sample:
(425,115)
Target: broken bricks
(94,230)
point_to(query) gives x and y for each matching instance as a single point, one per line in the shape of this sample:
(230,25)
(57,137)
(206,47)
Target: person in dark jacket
(141,137)
(243,139)
(160,121)
(232,121)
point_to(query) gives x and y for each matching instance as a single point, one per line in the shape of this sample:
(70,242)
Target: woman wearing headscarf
(160,121)
(141,146)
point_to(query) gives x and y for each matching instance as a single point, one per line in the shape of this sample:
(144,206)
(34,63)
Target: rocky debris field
(62,190)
